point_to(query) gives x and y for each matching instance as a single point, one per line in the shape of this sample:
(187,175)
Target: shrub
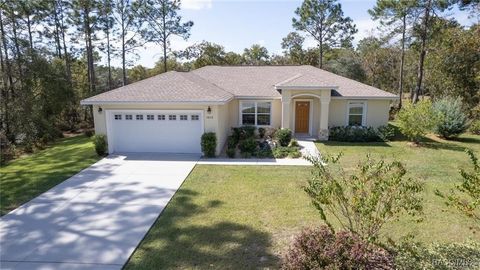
(100,142)
(261,132)
(293,143)
(231,152)
(374,194)
(209,144)
(415,120)
(264,150)
(231,142)
(270,132)
(285,151)
(284,136)
(386,133)
(244,132)
(89,132)
(248,146)
(466,196)
(452,121)
(320,248)
(415,255)
(475,127)
(354,134)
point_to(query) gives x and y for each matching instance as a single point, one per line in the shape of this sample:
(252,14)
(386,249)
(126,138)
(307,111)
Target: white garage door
(155,131)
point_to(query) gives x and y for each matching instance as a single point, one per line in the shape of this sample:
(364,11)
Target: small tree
(466,196)
(416,120)
(452,121)
(363,201)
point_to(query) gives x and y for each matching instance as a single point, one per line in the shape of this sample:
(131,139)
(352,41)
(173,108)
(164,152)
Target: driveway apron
(96,218)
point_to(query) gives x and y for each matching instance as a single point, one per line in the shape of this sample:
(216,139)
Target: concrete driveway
(95,219)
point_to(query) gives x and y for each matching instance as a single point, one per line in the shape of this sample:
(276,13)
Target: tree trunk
(165,54)
(108,61)
(7,61)
(18,53)
(164,37)
(5,121)
(402,61)
(421,59)
(65,51)
(57,30)
(320,58)
(124,69)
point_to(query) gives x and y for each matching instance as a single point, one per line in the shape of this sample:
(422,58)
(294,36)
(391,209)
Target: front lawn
(243,217)
(25,178)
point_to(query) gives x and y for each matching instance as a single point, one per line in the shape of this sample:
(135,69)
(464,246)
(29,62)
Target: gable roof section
(263,81)
(169,87)
(219,84)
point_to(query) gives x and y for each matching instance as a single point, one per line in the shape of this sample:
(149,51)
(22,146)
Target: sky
(238,24)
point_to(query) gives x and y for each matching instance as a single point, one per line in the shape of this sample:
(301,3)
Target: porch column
(324,110)
(285,109)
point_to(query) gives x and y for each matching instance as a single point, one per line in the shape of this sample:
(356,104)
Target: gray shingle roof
(222,83)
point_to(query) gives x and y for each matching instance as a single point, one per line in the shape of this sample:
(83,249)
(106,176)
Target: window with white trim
(195,117)
(128,117)
(161,117)
(256,113)
(150,117)
(172,117)
(139,117)
(356,113)
(118,117)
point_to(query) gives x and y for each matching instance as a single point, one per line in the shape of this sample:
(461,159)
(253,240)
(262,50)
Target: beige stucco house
(169,112)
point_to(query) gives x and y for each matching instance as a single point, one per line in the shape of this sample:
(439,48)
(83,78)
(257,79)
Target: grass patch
(243,217)
(27,177)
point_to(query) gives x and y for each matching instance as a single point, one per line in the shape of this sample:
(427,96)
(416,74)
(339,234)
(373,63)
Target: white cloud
(366,27)
(196,4)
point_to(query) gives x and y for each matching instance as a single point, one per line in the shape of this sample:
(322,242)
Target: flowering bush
(320,248)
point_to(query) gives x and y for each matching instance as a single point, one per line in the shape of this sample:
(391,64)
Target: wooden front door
(302,116)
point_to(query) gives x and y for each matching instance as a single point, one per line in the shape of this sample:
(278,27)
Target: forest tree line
(55,53)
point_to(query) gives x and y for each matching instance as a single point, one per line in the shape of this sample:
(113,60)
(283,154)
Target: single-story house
(169,112)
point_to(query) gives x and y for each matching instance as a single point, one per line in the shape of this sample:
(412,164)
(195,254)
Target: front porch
(306,112)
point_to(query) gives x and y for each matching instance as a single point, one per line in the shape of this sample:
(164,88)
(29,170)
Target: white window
(128,117)
(356,113)
(150,117)
(257,113)
(172,117)
(195,117)
(183,117)
(118,117)
(139,116)
(161,117)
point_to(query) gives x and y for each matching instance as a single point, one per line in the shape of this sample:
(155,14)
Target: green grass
(25,178)
(243,217)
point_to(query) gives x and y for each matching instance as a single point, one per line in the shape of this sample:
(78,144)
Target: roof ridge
(191,72)
(290,79)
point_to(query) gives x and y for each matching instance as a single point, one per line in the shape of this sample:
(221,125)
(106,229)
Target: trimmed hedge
(361,134)
(209,144)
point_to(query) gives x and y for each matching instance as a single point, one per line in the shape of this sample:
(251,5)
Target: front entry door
(302,116)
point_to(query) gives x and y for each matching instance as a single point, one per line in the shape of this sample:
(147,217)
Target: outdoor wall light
(100,109)
(209,110)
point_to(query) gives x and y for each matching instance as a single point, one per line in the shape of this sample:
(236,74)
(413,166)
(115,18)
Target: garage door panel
(168,136)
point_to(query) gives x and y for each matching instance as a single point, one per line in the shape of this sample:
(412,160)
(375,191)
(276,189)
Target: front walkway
(307,145)
(95,219)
